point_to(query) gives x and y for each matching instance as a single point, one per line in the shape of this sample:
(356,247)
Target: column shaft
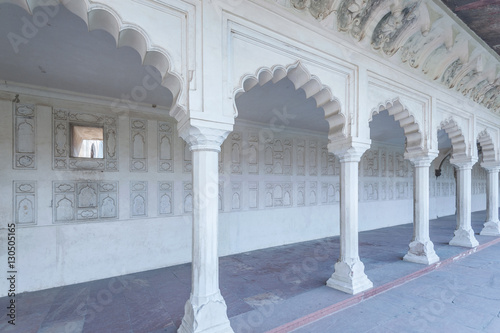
(349,275)
(492,225)
(421,249)
(464,235)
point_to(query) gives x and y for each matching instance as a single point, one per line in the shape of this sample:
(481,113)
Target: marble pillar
(421,248)
(205,311)
(349,275)
(464,235)
(492,224)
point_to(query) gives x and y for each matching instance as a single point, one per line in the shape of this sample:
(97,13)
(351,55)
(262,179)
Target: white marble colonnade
(492,224)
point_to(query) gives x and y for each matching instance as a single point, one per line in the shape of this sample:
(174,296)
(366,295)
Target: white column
(492,225)
(349,275)
(421,249)
(205,311)
(464,235)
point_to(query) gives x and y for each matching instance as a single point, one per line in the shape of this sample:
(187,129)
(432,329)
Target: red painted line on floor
(312,317)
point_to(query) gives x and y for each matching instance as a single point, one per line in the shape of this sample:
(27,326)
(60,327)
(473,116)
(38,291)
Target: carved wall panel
(236,153)
(278,157)
(371,163)
(138,199)
(24,136)
(253,195)
(84,201)
(278,194)
(236,195)
(188,197)
(328,193)
(25,202)
(62,121)
(187,163)
(301,157)
(313,193)
(370,191)
(165,198)
(165,147)
(330,166)
(301,193)
(221,196)
(138,145)
(252,153)
(313,158)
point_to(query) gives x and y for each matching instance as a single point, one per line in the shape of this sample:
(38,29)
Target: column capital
(463,163)
(421,158)
(349,149)
(491,166)
(204,135)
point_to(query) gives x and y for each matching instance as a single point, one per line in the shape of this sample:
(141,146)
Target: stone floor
(272,288)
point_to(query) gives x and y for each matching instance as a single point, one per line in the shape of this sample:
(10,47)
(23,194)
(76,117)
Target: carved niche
(253,195)
(236,153)
(278,157)
(24,136)
(138,199)
(301,193)
(236,196)
(84,201)
(165,198)
(301,157)
(165,147)
(25,203)
(327,193)
(313,158)
(138,145)
(188,197)
(187,162)
(252,153)
(279,194)
(62,160)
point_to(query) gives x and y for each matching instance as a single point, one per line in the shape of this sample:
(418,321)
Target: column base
(349,278)
(421,253)
(491,228)
(464,238)
(205,315)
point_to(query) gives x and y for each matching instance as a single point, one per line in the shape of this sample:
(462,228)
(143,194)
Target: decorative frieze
(62,159)
(138,145)
(84,201)
(25,202)
(138,199)
(24,136)
(165,147)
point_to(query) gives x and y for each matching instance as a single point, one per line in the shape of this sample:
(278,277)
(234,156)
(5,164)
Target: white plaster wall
(52,254)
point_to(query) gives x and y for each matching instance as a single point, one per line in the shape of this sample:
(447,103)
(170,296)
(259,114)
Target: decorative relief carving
(235,153)
(252,153)
(301,157)
(84,201)
(370,163)
(165,147)
(354,16)
(188,197)
(221,196)
(313,193)
(165,198)
(301,193)
(236,196)
(313,158)
(253,195)
(318,8)
(25,202)
(62,119)
(329,165)
(187,163)
(24,136)
(327,193)
(278,157)
(138,199)
(279,194)
(138,145)
(370,191)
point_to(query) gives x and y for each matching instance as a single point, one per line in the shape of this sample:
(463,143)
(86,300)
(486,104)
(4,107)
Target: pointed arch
(457,138)
(487,146)
(103,17)
(405,119)
(301,79)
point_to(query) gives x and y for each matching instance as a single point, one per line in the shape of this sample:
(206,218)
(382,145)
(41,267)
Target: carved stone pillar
(492,225)
(464,235)
(421,248)
(349,275)
(205,311)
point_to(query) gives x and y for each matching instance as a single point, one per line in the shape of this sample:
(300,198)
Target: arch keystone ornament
(206,310)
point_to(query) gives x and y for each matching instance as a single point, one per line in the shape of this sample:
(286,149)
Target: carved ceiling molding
(310,84)
(100,16)
(421,35)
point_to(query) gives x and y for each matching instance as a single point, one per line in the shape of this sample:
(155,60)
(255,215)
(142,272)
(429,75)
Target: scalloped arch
(301,79)
(487,146)
(103,17)
(457,138)
(405,120)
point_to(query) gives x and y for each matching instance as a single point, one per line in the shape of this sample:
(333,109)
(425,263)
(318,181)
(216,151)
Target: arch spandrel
(310,84)
(488,146)
(107,18)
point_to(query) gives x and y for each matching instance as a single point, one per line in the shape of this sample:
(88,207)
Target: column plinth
(464,235)
(421,248)
(349,275)
(205,311)
(492,224)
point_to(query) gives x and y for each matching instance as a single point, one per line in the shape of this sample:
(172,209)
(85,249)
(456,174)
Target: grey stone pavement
(266,289)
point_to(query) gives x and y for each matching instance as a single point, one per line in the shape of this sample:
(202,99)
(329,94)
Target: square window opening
(87,141)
